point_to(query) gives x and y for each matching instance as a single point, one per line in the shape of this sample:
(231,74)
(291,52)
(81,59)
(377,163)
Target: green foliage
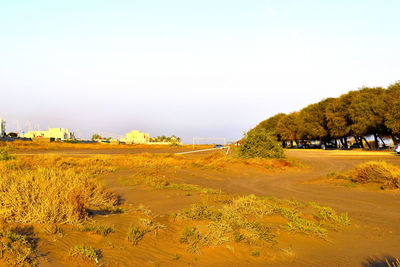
(96,136)
(87,253)
(258,143)
(271,124)
(172,139)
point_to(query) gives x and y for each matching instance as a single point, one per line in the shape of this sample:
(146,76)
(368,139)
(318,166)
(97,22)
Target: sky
(209,68)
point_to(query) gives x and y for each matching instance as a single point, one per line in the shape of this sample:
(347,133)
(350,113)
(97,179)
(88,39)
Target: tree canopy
(369,111)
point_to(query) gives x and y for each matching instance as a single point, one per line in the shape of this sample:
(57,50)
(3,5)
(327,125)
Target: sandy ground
(375,231)
(373,236)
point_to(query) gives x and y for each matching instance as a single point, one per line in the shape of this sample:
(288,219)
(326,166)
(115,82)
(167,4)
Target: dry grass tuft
(97,229)
(377,172)
(49,189)
(136,233)
(17,247)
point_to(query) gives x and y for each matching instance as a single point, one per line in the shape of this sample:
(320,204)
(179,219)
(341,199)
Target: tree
(271,124)
(367,113)
(259,143)
(338,118)
(96,136)
(313,123)
(288,127)
(392,114)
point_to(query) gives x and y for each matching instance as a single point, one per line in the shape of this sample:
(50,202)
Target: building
(56,133)
(2,127)
(136,137)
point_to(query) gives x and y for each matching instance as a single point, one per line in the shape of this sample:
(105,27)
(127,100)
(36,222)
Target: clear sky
(209,68)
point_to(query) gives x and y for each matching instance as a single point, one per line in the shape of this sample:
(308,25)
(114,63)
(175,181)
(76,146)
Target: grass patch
(17,247)
(98,229)
(192,237)
(255,253)
(136,233)
(248,219)
(86,253)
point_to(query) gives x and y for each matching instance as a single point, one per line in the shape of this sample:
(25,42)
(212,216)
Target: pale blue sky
(190,68)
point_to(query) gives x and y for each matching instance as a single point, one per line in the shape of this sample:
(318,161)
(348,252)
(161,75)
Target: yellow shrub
(378,172)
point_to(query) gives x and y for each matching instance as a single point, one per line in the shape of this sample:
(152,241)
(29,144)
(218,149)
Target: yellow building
(56,133)
(136,137)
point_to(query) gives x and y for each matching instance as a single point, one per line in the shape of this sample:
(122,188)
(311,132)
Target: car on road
(397,149)
(218,146)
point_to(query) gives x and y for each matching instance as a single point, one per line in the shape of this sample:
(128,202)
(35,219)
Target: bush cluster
(259,143)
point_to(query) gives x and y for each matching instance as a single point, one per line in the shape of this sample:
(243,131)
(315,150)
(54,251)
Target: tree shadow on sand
(385,261)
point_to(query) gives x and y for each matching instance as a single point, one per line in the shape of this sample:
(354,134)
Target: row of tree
(357,114)
(164,138)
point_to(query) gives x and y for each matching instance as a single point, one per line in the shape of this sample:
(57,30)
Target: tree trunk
(383,142)
(341,141)
(360,140)
(376,142)
(363,138)
(394,139)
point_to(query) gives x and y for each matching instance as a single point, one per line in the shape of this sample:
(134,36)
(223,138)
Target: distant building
(2,127)
(56,133)
(136,137)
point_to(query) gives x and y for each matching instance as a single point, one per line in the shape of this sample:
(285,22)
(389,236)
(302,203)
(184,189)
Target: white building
(136,137)
(2,127)
(56,133)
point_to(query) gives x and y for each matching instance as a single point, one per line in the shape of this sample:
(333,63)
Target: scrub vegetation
(258,143)
(385,174)
(86,253)
(17,245)
(253,220)
(48,189)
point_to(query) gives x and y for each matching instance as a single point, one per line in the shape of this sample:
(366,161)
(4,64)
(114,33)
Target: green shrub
(259,143)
